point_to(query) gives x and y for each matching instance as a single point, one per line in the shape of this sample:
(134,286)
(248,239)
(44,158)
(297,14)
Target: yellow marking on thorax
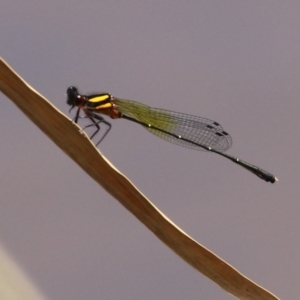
(99,98)
(103,106)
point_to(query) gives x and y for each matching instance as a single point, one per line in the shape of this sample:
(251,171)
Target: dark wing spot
(219,134)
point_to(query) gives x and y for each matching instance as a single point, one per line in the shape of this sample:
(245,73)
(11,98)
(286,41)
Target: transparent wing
(196,129)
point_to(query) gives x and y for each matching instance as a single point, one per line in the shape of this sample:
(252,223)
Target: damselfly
(178,128)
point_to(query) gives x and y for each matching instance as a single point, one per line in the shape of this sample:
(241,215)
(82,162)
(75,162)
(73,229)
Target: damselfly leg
(96,120)
(99,119)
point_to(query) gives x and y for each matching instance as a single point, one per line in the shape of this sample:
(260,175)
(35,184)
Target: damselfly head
(72,94)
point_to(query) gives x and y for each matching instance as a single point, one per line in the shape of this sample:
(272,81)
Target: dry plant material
(66,135)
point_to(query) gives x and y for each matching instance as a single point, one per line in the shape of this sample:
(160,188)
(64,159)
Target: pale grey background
(236,62)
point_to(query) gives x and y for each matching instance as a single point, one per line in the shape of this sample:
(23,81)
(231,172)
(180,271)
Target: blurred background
(235,62)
